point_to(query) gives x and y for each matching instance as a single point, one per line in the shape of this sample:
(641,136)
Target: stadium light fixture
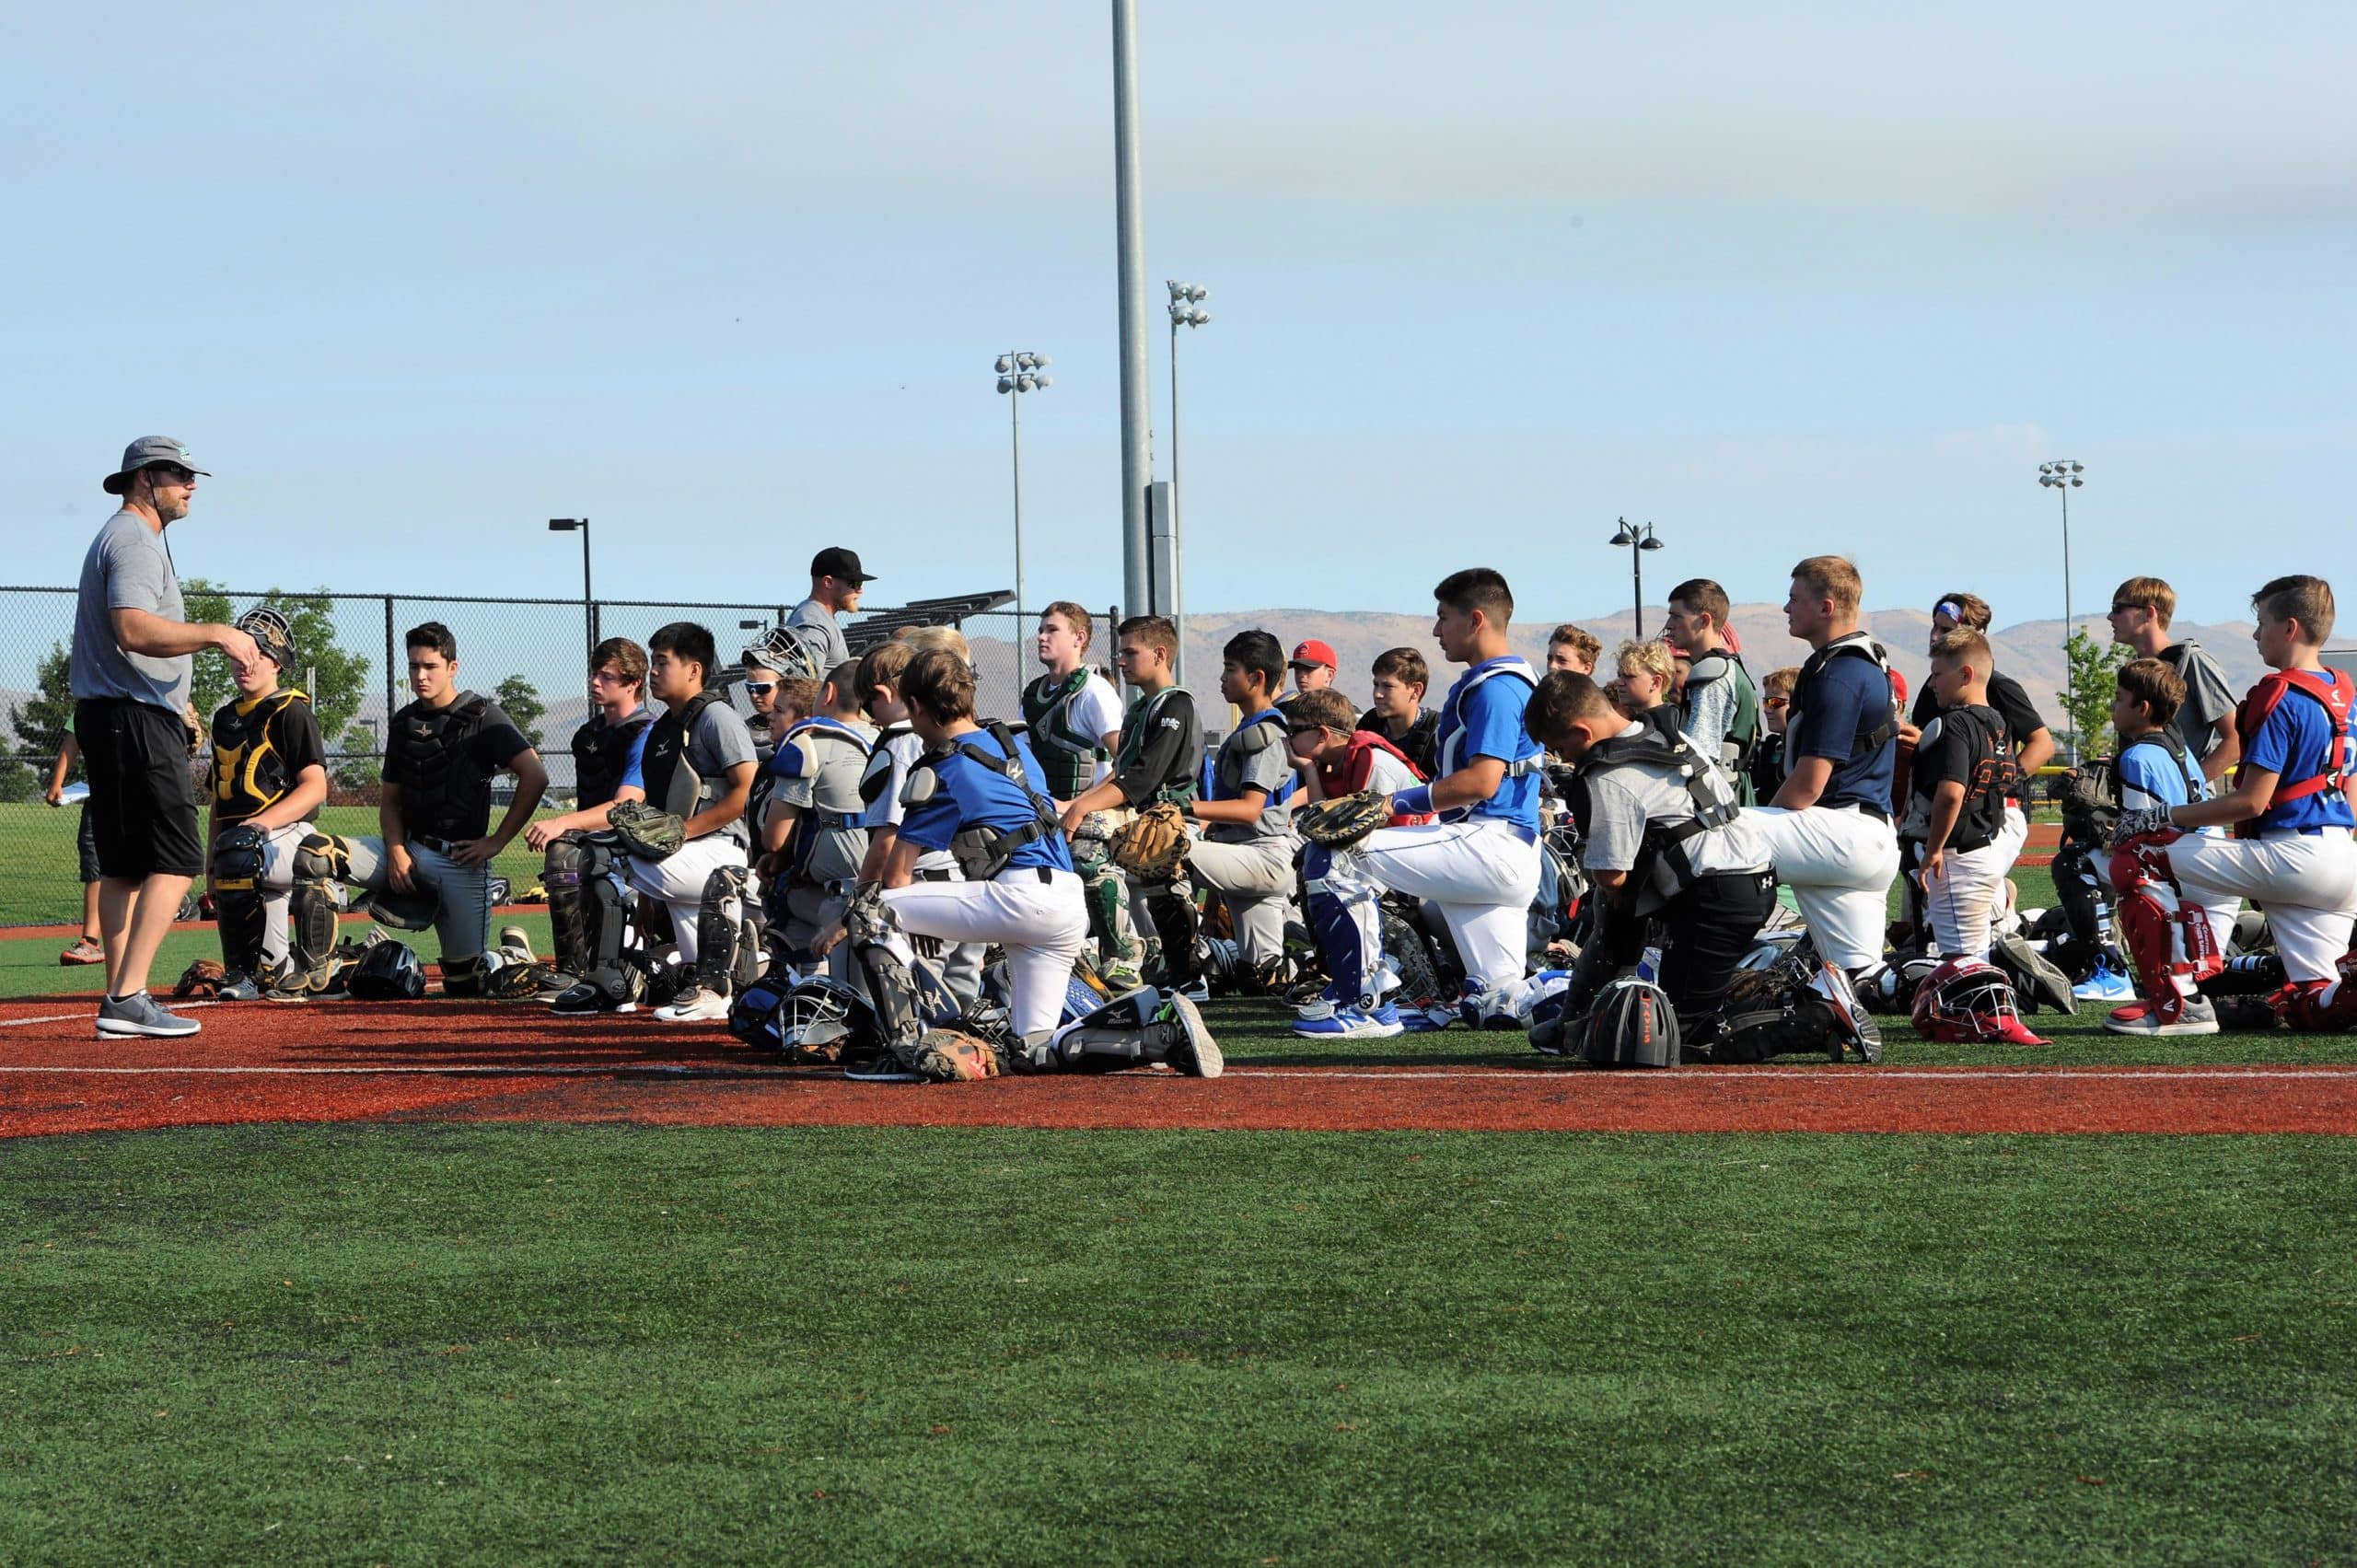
(1019,371)
(588,601)
(1637,544)
(2062,477)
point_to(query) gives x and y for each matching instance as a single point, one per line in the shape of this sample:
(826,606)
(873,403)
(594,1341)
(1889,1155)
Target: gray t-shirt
(127,568)
(2207,697)
(1623,801)
(1242,765)
(817,624)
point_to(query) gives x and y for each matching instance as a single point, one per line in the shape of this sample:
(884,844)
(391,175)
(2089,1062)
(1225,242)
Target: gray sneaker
(239,988)
(141,1013)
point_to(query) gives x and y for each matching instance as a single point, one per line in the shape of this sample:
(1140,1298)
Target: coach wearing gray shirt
(130,666)
(836,581)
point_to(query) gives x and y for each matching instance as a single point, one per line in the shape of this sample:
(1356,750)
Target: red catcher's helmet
(1967,1001)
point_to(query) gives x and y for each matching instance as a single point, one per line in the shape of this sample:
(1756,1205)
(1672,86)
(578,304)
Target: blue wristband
(1416,802)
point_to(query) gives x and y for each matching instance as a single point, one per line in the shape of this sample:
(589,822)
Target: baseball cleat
(2196,1017)
(1195,1053)
(1351,1023)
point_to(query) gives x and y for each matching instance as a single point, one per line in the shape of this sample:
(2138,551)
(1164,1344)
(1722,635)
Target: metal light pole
(2062,475)
(1638,543)
(1137,392)
(588,601)
(1186,310)
(1018,374)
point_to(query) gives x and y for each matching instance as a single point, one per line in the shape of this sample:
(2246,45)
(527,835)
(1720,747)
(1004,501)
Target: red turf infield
(434,1060)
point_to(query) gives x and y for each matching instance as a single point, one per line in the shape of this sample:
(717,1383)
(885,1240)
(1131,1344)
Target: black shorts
(85,846)
(143,801)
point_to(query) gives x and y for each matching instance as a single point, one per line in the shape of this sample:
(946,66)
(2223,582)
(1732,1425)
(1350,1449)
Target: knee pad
(238,899)
(728,931)
(1136,1029)
(322,858)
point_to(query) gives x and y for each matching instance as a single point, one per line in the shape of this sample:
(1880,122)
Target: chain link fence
(531,655)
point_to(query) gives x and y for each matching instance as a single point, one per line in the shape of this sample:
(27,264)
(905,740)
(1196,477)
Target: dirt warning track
(466,1062)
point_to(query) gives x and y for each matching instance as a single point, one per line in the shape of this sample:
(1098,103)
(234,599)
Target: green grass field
(40,885)
(476,1343)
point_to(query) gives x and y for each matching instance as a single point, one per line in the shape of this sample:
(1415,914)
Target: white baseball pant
(2307,883)
(1839,861)
(676,881)
(1042,927)
(1256,879)
(1479,873)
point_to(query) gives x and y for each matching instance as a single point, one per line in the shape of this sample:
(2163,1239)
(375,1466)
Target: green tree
(2092,673)
(521,699)
(41,720)
(333,677)
(21,778)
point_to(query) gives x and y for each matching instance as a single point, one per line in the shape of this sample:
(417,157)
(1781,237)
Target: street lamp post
(2062,475)
(1638,544)
(589,602)
(1018,374)
(1186,310)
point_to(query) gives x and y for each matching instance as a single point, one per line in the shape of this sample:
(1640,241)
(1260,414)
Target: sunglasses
(1776,701)
(2122,608)
(760,688)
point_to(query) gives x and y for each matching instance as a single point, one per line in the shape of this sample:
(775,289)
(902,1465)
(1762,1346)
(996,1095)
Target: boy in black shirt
(1959,853)
(1160,756)
(430,863)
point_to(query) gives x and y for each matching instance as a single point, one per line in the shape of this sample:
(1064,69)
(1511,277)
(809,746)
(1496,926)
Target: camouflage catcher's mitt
(1151,847)
(646,831)
(1342,822)
(951,1056)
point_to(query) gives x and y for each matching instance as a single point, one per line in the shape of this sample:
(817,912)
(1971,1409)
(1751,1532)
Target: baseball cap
(1314,652)
(147,452)
(838,563)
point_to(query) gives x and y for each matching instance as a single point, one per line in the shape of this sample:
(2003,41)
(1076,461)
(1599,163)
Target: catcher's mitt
(646,831)
(517,982)
(1153,846)
(2090,808)
(1342,822)
(952,1056)
(203,978)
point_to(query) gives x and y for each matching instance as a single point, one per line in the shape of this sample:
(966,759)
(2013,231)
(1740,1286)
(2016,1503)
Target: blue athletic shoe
(2105,984)
(1350,1023)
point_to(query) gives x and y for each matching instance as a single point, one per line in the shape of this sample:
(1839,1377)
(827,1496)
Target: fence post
(389,703)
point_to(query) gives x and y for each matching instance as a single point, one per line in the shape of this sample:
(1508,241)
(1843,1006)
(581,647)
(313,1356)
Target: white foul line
(1734,1079)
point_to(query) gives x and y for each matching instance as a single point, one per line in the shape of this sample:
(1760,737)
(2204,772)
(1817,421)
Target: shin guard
(319,862)
(2168,936)
(1177,923)
(239,902)
(726,960)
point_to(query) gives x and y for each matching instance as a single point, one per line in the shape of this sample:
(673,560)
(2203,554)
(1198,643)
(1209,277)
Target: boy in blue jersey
(980,795)
(2155,769)
(1477,867)
(2291,852)
(1246,854)
(1829,829)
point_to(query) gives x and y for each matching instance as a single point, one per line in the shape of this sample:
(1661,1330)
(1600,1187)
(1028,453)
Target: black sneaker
(583,1000)
(1193,1052)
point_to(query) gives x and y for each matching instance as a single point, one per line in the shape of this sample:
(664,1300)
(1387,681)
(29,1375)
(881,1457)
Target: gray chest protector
(1664,865)
(672,783)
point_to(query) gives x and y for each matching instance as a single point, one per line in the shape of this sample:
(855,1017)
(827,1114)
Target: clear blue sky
(728,279)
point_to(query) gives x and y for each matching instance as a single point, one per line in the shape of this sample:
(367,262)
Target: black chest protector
(879,764)
(1989,776)
(446,793)
(601,755)
(249,773)
(983,852)
(1664,866)
(671,785)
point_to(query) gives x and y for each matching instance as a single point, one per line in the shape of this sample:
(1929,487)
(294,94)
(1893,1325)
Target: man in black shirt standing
(432,863)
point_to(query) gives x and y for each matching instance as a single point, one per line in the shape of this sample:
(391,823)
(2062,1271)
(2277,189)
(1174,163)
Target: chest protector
(1989,780)
(1181,787)
(1664,866)
(1742,742)
(837,792)
(445,793)
(248,773)
(1067,757)
(672,783)
(1252,737)
(1451,756)
(981,852)
(878,773)
(601,753)
(2330,690)
(1868,740)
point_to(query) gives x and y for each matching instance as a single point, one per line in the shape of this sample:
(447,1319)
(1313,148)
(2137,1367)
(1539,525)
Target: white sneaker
(696,1006)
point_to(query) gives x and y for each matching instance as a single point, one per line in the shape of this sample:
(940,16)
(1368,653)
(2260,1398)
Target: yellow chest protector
(249,773)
